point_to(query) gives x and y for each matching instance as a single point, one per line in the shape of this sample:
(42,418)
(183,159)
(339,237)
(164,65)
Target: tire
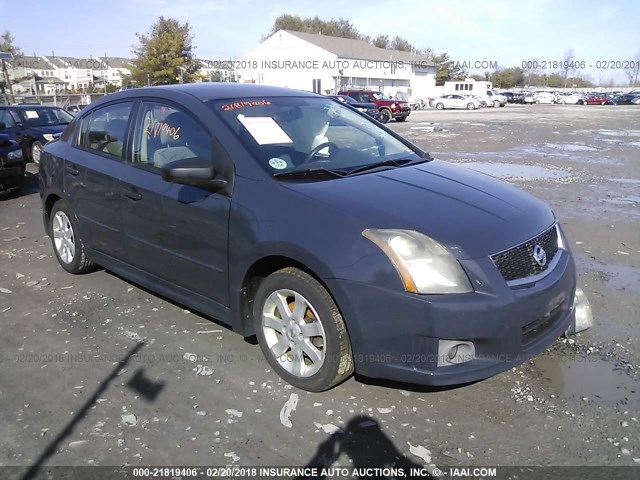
(66,240)
(35,152)
(401,119)
(440,106)
(385,115)
(496,104)
(325,350)
(471,106)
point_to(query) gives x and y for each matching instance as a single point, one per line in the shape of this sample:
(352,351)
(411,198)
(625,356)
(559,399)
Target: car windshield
(298,134)
(45,116)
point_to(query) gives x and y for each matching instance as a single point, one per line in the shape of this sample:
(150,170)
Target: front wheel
(385,115)
(440,106)
(36,152)
(471,106)
(66,240)
(496,104)
(301,331)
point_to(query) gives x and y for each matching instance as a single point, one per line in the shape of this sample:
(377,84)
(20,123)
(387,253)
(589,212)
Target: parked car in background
(510,96)
(32,126)
(483,101)
(336,242)
(572,99)
(495,99)
(529,98)
(455,101)
(368,108)
(518,98)
(629,99)
(595,99)
(388,107)
(75,109)
(12,164)
(414,102)
(544,97)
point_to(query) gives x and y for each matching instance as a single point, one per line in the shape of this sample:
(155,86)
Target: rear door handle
(72,170)
(132,194)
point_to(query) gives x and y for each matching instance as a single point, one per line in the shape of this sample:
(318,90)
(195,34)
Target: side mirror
(193,171)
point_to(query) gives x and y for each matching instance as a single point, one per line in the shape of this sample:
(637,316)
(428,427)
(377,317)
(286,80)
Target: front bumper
(401,113)
(11,177)
(395,335)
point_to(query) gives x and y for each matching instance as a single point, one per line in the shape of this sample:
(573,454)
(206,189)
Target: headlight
(423,264)
(15,155)
(48,136)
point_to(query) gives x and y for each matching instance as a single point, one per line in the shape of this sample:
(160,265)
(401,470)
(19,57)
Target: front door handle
(72,170)
(132,194)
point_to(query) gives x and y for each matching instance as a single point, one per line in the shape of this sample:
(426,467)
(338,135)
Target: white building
(325,64)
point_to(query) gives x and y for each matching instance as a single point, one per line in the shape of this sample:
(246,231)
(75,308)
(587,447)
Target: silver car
(455,101)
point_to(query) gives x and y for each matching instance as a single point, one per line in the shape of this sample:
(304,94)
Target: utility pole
(7,56)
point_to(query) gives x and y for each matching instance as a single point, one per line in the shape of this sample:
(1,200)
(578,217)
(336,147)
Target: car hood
(471,213)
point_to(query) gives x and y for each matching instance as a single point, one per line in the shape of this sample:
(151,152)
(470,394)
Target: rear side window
(105,130)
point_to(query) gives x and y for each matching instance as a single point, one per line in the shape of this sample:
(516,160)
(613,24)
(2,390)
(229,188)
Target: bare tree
(632,70)
(568,65)
(531,69)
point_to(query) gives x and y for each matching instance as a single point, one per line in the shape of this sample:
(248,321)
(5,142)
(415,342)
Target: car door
(92,174)
(178,233)
(458,101)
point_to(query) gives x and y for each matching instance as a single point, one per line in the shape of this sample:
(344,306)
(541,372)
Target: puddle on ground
(570,147)
(512,170)
(617,277)
(631,200)
(590,377)
(632,181)
(620,133)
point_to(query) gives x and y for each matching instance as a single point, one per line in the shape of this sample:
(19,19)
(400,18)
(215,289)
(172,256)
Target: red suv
(388,107)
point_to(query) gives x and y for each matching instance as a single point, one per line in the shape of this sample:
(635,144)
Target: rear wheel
(385,115)
(66,240)
(471,106)
(36,152)
(439,106)
(496,103)
(301,331)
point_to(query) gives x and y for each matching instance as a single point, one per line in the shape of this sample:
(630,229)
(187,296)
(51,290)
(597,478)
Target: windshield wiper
(386,163)
(320,172)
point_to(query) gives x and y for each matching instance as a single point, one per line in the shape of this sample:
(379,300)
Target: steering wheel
(317,149)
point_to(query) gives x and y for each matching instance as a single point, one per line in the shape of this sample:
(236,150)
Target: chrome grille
(518,262)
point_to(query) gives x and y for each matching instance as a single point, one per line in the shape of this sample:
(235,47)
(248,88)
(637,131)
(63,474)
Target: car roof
(29,107)
(214,91)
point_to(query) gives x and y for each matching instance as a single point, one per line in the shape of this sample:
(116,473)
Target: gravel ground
(96,371)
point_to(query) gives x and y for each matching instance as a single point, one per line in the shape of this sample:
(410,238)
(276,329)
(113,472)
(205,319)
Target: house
(115,69)
(326,64)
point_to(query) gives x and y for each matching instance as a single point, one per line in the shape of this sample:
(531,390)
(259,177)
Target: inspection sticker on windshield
(31,114)
(264,130)
(278,163)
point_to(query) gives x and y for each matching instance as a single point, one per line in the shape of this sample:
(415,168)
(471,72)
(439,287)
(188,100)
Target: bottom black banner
(335,472)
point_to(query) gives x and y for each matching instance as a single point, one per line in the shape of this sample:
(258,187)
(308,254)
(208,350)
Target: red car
(595,99)
(389,108)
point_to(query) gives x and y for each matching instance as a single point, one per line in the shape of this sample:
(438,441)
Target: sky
(502,31)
